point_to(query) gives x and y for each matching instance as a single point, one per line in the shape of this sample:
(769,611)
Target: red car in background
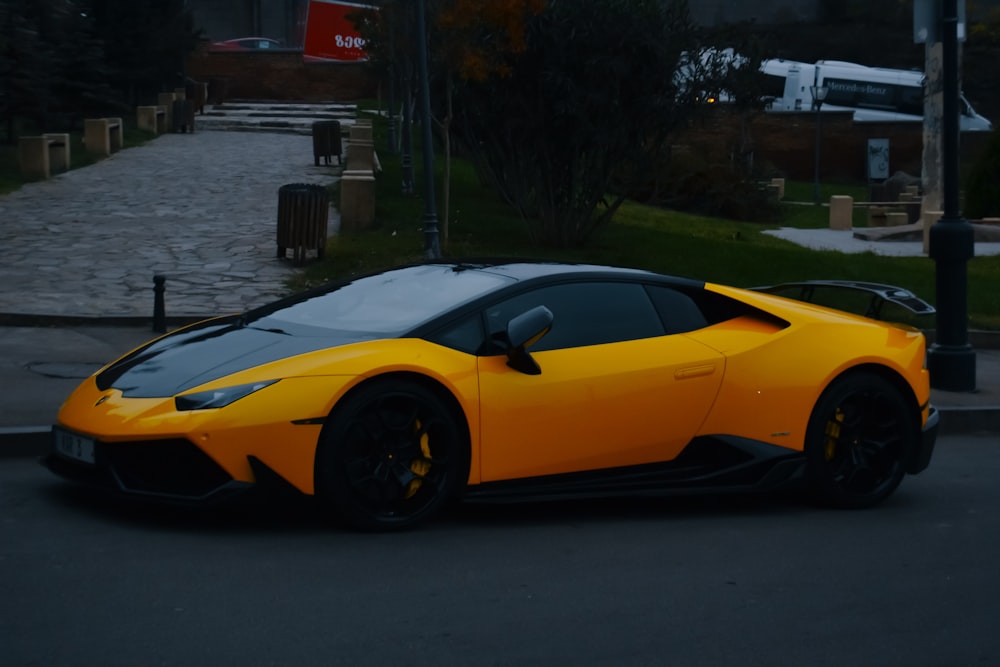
(246,44)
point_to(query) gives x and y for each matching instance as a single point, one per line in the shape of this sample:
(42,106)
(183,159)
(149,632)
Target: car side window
(466,335)
(678,311)
(586,313)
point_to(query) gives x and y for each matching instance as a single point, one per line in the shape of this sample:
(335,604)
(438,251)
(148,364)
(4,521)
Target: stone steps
(240,116)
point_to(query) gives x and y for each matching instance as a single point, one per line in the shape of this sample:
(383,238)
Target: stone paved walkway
(200,209)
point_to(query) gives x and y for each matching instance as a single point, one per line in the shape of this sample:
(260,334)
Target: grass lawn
(735,253)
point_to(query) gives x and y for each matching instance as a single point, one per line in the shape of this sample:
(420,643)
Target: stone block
(779,184)
(896,219)
(151,118)
(357,200)
(360,133)
(166,100)
(841,212)
(59,151)
(103,136)
(360,156)
(33,156)
(876,216)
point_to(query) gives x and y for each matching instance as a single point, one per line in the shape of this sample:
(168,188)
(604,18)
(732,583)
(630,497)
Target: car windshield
(383,305)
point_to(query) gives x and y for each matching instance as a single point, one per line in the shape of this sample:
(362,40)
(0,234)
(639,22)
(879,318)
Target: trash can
(303,215)
(326,141)
(182,118)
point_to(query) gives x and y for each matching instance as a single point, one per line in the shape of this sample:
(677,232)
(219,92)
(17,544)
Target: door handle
(694,371)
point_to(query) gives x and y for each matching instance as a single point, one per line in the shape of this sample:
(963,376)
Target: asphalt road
(734,581)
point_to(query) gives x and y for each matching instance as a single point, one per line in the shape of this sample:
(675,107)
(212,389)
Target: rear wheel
(392,454)
(858,438)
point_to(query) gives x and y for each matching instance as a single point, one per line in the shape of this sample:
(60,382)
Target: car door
(614,389)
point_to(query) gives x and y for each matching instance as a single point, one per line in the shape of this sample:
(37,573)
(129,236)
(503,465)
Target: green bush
(982,190)
(697,179)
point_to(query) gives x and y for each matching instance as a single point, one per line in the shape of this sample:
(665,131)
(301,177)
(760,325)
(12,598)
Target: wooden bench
(103,136)
(38,156)
(151,118)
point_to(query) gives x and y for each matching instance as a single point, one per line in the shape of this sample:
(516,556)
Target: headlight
(218,398)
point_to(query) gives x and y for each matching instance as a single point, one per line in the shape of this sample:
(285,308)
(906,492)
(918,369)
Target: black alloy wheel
(391,455)
(858,440)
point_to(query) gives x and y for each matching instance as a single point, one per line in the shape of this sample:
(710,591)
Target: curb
(24,441)
(34,320)
(969,421)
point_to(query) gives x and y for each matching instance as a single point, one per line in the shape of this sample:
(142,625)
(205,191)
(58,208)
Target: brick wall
(280,76)
(787,142)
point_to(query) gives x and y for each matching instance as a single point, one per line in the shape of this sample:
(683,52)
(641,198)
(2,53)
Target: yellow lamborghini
(385,396)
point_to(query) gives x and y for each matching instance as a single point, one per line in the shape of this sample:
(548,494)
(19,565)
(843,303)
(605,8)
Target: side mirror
(524,331)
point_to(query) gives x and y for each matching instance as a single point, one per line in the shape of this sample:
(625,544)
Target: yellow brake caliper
(833,434)
(421,466)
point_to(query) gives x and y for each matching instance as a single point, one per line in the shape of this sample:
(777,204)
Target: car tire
(392,453)
(858,440)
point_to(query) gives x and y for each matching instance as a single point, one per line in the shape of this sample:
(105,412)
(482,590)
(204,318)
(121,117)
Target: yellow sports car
(387,395)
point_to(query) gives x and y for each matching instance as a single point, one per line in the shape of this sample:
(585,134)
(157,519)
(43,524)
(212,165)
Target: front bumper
(170,470)
(925,448)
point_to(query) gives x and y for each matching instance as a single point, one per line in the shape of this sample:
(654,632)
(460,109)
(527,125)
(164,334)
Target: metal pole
(406,130)
(432,247)
(817,104)
(406,140)
(951,359)
(159,309)
(391,135)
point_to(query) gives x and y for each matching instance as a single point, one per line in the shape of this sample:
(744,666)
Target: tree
(475,41)
(586,107)
(22,75)
(469,41)
(982,197)
(50,62)
(146,44)
(390,42)
(72,58)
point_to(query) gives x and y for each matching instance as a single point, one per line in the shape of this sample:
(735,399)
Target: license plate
(74,447)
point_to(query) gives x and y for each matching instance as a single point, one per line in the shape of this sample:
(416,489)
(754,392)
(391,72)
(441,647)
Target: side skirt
(709,464)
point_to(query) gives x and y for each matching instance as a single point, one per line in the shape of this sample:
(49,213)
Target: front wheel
(391,455)
(858,440)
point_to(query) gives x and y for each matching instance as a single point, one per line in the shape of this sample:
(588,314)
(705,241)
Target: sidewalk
(198,208)
(79,253)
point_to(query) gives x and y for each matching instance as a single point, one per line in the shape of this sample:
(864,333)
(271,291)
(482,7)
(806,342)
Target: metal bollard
(159,310)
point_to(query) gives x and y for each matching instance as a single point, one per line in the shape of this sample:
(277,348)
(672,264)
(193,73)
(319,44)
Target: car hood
(205,352)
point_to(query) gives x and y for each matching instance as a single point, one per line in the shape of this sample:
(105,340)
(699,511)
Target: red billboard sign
(330,35)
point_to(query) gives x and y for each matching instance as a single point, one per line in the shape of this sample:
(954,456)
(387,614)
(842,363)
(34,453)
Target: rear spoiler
(880,294)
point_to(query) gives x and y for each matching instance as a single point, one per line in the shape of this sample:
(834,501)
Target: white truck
(872,93)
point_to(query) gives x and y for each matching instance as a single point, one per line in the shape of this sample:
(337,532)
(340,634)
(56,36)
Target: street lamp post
(432,244)
(391,83)
(951,360)
(818,95)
